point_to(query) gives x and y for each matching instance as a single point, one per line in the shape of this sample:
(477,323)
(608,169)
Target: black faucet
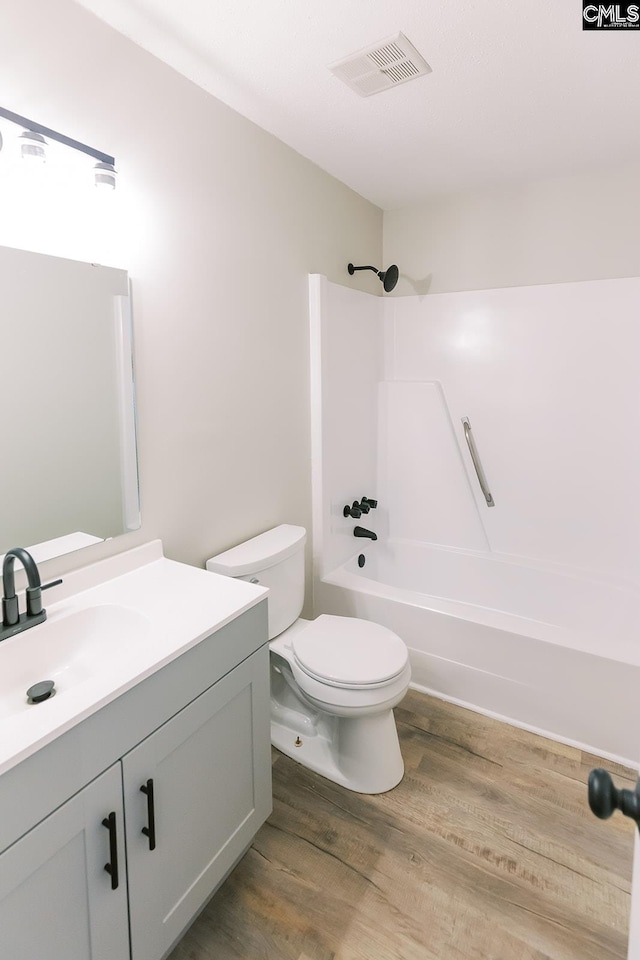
(12,620)
(361,532)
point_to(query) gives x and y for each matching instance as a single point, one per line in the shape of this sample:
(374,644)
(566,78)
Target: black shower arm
(375,269)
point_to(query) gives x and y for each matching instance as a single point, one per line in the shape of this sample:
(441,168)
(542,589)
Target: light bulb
(32,146)
(105,175)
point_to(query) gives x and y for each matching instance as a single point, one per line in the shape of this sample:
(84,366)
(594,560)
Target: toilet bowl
(334,680)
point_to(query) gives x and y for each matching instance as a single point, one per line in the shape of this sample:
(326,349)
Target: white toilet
(334,680)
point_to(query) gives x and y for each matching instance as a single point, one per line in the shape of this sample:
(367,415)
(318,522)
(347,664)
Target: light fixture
(33,143)
(32,146)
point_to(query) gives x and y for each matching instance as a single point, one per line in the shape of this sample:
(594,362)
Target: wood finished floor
(486,851)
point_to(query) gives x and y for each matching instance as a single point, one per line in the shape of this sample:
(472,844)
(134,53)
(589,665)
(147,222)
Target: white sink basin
(70,650)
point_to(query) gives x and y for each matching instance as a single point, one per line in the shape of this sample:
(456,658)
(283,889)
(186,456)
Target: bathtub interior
(553,604)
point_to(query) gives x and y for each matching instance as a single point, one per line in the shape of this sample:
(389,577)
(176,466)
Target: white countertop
(168,607)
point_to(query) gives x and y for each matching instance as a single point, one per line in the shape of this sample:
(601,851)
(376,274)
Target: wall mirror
(69,466)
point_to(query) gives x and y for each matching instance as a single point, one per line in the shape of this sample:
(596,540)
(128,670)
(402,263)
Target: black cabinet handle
(150,829)
(112,867)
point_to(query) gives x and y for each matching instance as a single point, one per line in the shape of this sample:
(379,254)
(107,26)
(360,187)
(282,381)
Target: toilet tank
(274,559)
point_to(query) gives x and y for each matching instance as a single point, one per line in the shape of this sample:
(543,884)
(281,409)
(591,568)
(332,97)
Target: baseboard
(513,722)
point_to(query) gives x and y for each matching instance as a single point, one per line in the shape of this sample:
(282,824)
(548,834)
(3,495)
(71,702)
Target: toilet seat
(349,653)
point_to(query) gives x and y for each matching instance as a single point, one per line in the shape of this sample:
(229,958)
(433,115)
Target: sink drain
(41,691)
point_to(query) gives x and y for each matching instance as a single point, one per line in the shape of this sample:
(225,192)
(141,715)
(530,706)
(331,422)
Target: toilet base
(360,753)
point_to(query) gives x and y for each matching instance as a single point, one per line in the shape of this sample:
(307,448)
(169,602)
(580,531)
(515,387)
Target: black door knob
(605,798)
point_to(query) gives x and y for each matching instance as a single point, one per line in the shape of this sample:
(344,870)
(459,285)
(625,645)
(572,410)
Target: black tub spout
(361,532)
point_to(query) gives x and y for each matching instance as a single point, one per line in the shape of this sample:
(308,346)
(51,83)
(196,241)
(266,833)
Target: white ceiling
(518,91)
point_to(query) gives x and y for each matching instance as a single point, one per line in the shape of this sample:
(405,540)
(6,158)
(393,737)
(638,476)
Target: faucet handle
(34,597)
(52,583)
(372,503)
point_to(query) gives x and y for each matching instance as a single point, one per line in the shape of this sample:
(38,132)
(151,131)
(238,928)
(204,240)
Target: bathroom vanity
(127,798)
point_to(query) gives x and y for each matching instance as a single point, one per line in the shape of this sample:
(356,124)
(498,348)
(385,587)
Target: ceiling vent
(382,66)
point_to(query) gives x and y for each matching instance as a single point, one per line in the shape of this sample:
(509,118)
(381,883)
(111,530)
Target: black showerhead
(389,276)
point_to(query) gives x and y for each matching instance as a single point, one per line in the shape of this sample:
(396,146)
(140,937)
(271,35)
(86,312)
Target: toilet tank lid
(260,552)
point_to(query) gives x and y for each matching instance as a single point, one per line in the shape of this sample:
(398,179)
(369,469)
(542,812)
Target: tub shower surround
(525,608)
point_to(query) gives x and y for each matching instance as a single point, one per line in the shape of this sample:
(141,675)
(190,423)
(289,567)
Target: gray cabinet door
(210,769)
(56,898)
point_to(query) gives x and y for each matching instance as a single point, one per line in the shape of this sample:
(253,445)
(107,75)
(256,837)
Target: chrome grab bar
(482,480)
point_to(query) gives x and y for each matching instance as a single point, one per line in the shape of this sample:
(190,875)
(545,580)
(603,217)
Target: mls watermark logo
(610,16)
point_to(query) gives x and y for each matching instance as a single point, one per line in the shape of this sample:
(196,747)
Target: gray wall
(584,227)
(219,224)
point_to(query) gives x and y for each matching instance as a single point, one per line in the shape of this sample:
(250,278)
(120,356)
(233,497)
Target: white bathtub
(517,642)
